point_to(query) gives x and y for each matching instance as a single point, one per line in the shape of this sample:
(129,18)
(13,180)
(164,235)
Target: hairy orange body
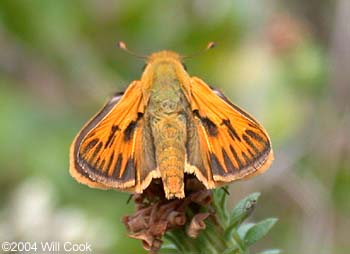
(167,125)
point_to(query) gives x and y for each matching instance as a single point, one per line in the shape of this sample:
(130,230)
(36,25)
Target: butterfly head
(159,60)
(164,56)
(164,63)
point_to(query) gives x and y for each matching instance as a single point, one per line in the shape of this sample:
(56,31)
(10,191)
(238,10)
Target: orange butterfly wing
(109,152)
(232,144)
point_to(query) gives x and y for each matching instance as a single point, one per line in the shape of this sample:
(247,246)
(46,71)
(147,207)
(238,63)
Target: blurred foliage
(285,62)
(227,233)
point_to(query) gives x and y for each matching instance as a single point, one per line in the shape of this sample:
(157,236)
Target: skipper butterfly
(166,125)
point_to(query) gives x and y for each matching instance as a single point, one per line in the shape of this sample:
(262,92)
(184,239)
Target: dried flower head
(155,215)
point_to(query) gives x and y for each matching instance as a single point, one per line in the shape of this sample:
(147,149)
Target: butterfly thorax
(167,110)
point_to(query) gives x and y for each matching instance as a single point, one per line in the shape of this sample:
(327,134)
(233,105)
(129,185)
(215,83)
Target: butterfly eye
(185,67)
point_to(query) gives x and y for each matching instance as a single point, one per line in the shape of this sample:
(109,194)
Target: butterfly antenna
(209,46)
(123,46)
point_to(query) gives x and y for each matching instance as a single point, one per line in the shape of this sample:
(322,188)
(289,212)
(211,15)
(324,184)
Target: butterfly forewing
(107,151)
(233,144)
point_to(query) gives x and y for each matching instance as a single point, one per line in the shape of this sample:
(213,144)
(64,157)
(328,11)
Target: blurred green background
(286,62)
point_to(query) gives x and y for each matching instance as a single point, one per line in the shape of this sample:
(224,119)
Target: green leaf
(168,247)
(240,212)
(243,229)
(271,251)
(169,251)
(244,206)
(259,230)
(239,242)
(230,251)
(220,197)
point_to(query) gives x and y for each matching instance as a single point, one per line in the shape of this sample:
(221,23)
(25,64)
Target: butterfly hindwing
(232,144)
(109,151)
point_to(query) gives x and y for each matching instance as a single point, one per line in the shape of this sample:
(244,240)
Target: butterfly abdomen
(170,139)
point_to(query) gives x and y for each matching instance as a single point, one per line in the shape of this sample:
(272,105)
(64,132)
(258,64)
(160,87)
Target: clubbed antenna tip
(211,45)
(123,46)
